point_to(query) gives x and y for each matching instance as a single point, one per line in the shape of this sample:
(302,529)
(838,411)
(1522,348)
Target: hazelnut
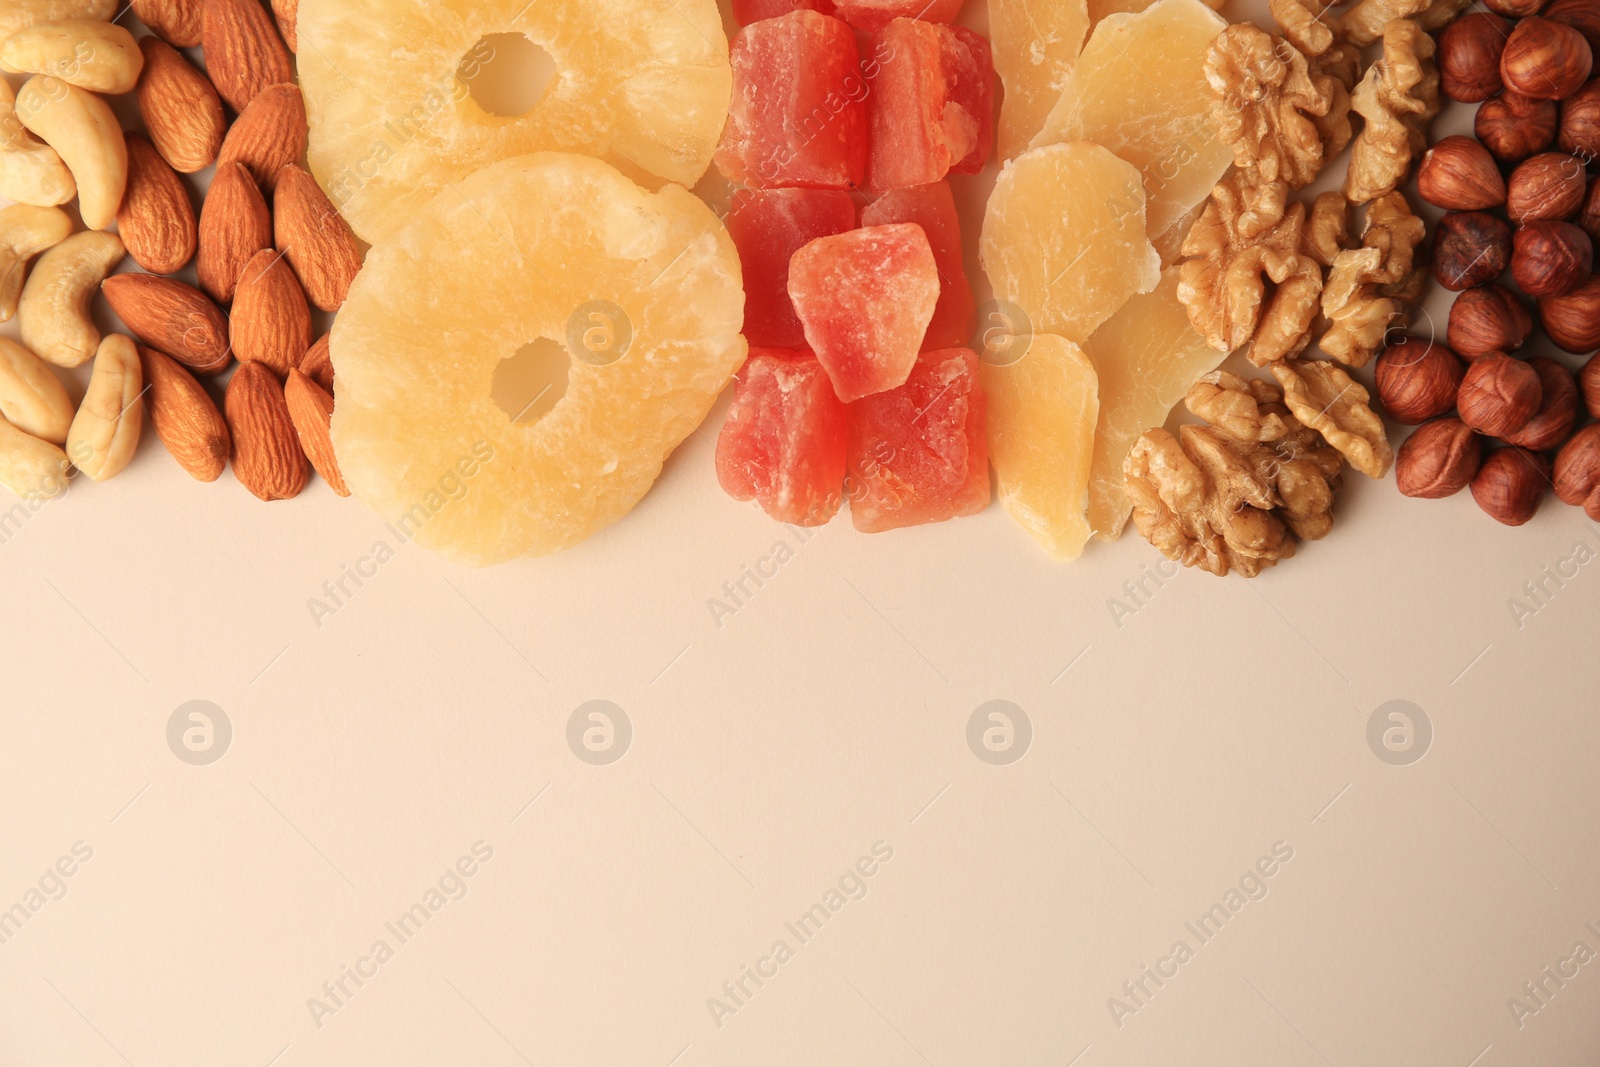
(1459,174)
(1498,395)
(1438,460)
(1550,258)
(1470,248)
(1510,485)
(1589,213)
(1558,408)
(1545,60)
(1514,127)
(1577,471)
(1488,318)
(1589,384)
(1513,9)
(1548,186)
(1581,15)
(1418,379)
(1579,132)
(1572,320)
(1469,56)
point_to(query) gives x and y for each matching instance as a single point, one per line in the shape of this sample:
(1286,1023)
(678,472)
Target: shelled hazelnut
(1545,60)
(1418,379)
(1469,56)
(1470,248)
(1488,318)
(1459,174)
(1589,384)
(1513,9)
(1579,132)
(1581,15)
(1510,485)
(1498,395)
(1550,258)
(1572,320)
(1513,127)
(1558,408)
(1589,213)
(1438,460)
(1576,471)
(1550,185)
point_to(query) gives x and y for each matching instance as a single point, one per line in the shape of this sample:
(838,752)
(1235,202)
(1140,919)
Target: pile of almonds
(266,243)
(1518,199)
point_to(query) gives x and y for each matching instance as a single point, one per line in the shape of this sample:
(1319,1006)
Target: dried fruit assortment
(1518,202)
(64,143)
(858,386)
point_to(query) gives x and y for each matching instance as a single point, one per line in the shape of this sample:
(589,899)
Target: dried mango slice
(1042,414)
(1064,238)
(1035,44)
(1139,89)
(641,288)
(1147,356)
(643,84)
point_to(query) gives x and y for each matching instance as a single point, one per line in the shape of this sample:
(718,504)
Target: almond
(270,322)
(317,241)
(172,317)
(266,450)
(311,408)
(185,417)
(269,135)
(234,225)
(156,220)
(181,109)
(318,363)
(244,53)
(178,22)
(287,13)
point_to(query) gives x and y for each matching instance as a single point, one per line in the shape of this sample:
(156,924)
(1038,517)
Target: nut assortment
(266,245)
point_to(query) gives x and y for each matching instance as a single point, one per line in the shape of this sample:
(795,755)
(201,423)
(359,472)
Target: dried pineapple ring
(506,258)
(643,84)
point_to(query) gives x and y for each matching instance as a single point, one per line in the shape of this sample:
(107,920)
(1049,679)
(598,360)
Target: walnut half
(1398,97)
(1373,287)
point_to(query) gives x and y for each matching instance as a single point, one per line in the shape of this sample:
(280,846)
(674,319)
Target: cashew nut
(105,433)
(99,56)
(81,128)
(25,231)
(20,14)
(54,310)
(32,398)
(31,468)
(30,170)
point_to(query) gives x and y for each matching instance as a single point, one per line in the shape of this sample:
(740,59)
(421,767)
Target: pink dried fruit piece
(783,445)
(932,107)
(769,226)
(933,207)
(865,299)
(747,11)
(798,114)
(873,15)
(919,453)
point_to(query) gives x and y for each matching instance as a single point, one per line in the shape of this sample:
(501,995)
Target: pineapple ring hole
(506,74)
(528,384)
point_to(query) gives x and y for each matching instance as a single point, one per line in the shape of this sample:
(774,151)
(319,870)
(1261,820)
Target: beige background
(1172,748)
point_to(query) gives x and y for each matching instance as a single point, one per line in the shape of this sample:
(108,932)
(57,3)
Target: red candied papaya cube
(874,15)
(933,207)
(932,111)
(865,299)
(784,442)
(769,226)
(919,454)
(747,11)
(798,114)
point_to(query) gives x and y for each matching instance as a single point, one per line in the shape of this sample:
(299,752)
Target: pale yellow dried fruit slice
(1099,9)
(1041,418)
(643,84)
(549,246)
(1139,89)
(1146,356)
(1035,45)
(1064,238)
